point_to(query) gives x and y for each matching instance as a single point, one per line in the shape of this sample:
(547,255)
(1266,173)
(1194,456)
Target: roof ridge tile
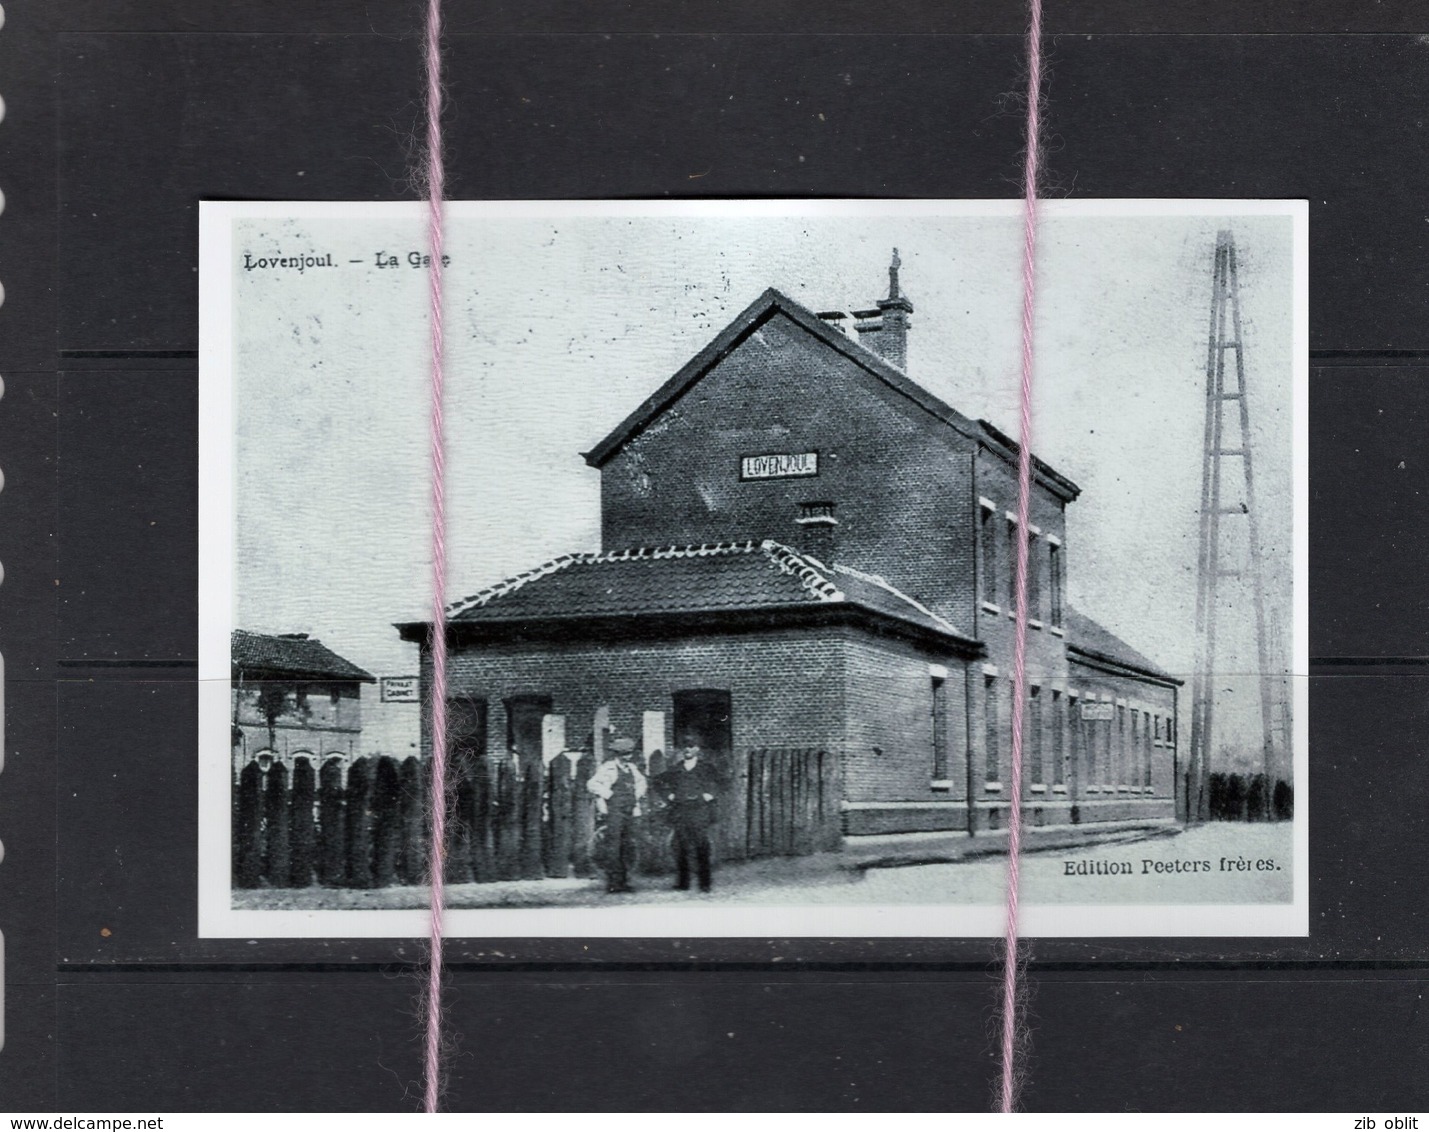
(560,562)
(516,581)
(885,584)
(792,562)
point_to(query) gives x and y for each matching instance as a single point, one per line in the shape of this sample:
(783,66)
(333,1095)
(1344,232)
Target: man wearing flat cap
(619,787)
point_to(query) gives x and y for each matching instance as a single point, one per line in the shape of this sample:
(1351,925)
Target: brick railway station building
(804,550)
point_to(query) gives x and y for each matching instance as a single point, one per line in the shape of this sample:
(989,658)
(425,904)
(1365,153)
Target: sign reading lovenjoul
(779,465)
(1099,713)
(400,690)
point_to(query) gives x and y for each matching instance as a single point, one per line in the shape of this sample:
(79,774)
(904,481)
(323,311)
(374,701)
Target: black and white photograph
(731,537)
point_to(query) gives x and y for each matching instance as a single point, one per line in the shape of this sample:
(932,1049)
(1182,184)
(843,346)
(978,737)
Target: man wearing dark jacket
(690,787)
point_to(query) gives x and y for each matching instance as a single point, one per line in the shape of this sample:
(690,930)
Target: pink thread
(1010,1016)
(436,188)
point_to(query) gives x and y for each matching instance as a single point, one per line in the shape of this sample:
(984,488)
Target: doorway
(466,729)
(523,724)
(703,715)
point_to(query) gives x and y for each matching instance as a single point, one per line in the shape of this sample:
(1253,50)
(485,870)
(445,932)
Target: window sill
(1032,622)
(1038,788)
(1057,629)
(991,607)
(1059,788)
(992,787)
(943,785)
(1092,790)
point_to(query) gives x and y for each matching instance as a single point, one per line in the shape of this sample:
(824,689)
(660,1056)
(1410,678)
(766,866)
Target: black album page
(734,315)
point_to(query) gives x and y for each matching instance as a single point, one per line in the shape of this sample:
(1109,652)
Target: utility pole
(1227,496)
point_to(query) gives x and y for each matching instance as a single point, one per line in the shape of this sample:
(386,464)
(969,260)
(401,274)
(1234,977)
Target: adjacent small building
(293,698)
(806,566)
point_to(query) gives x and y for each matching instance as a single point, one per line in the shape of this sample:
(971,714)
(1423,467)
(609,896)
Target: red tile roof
(688,579)
(290,654)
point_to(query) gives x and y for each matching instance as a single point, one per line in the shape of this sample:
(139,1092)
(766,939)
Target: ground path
(1184,868)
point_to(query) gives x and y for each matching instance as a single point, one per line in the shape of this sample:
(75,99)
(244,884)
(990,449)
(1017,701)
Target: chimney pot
(885,330)
(818,530)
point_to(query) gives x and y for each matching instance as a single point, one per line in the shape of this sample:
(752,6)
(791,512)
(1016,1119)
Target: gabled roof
(1092,640)
(773,302)
(719,578)
(256,655)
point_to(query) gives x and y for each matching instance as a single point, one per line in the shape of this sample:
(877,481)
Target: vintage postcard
(732,524)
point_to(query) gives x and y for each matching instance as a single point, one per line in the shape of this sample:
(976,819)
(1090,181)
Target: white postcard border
(218,919)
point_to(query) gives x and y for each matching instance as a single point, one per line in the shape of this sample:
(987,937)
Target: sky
(559,325)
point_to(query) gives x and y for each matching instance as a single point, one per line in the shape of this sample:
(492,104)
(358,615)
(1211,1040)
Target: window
(1034,580)
(1146,747)
(1059,767)
(523,724)
(1157,725)
(989,697)
(987,532)
(1011,565)
(466,729)
(1034,734)
(940,729)
(1055,582)
(1107,770)
(1121,744)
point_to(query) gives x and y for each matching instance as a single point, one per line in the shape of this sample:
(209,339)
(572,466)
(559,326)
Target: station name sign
(1099,713)
(400,690)
(779,466)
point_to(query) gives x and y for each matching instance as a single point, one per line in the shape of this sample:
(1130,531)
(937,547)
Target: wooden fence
(791,803)
(507,821)
(290,831)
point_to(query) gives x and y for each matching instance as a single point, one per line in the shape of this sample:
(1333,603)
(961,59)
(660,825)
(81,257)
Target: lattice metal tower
(1227,496)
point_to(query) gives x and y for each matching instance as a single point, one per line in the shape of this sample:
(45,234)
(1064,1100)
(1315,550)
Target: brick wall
(786,689)
(1112,778)
(889,753)
(900,478)
(1082,794)
(867,699)
(1046,646)
(905,484)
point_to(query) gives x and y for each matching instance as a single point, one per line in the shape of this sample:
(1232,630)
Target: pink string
(1010,1015)
(436,186)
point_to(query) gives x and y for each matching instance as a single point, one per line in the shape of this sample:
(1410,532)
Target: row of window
(1114,752)
(997,581)
(267,757)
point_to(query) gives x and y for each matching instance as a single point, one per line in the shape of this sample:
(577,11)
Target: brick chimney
(884,329)
(818,530)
